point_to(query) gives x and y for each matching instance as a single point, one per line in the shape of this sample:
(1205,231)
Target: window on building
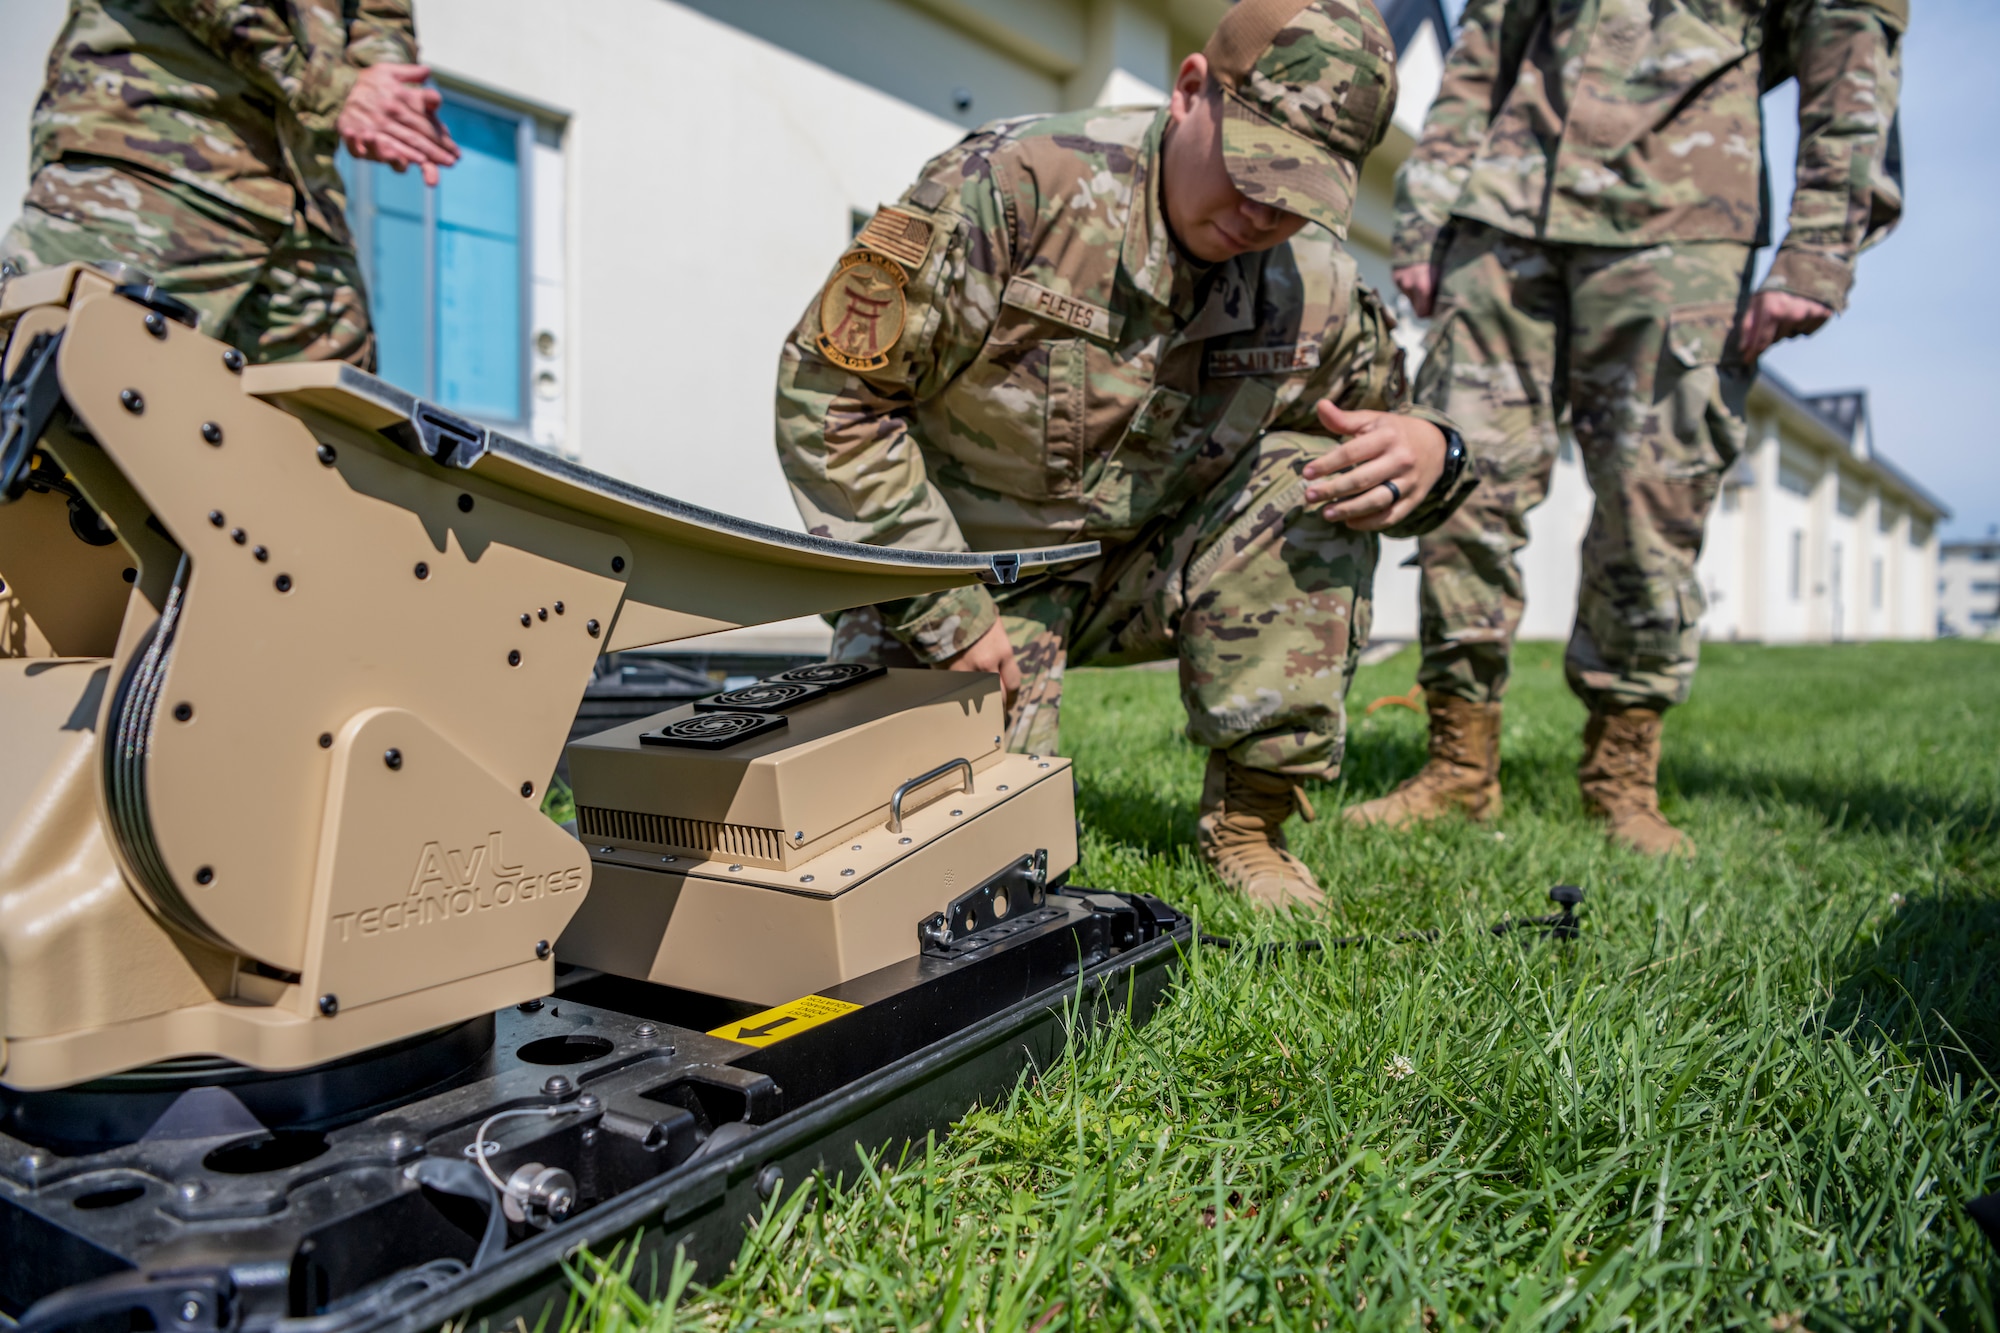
(1985,585)
(1875,583)
(1795,573)
(455,277)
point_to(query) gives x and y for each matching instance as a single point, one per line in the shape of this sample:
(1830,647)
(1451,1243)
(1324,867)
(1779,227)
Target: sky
(1922,329)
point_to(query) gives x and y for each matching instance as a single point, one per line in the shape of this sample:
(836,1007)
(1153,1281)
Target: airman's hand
(1772,317)
(390,117)
(1382,448)
(991,652)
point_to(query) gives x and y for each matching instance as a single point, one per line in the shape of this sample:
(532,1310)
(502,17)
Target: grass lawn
(1754,1095)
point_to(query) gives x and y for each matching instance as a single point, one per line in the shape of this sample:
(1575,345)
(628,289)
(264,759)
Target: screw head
(211,432)
(805,879)
(542,614)
(183,712)
(329,1004)
(541,948)
(205,875)
(326,740)
(129,574)
(190,1190)
(262,553)
(156,325)
(617,564)
(559,608)
(134,401)
(902,842)
(283,583)
(529,1006)
(464,504)
(327,454)
(233,359)
(846,874)
(190,1307)
(513,657)
(591,627)
(238,535)
(645,1030)
(526,620)
(423,571)
(527,789)
(558,1085)
(393,758)
(768,1181)
(215,517)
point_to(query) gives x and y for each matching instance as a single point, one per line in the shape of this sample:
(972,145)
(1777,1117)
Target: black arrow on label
(767,1029)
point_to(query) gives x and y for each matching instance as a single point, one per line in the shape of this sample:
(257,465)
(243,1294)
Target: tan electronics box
(802,831)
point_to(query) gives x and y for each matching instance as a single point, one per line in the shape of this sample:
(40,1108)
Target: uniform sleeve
(1848,58)
(1364,372)
(1477,72)
(309,78)
(382,32)
(848,440)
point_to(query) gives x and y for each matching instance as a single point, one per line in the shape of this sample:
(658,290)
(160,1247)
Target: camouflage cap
(1308,89)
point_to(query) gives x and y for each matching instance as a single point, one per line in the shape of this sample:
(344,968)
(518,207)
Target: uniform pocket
(1131,483)
(1065,420)
(1698,335)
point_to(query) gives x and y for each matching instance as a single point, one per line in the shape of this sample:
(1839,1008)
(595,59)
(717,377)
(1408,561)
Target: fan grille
(766,696)
(828,675)
(712,730)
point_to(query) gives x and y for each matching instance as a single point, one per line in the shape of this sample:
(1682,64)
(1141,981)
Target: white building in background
(1969,587)
(654,189)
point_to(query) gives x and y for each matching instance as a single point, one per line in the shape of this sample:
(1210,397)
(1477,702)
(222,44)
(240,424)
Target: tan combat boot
(1621,763)
(1462,773)
(1243,813)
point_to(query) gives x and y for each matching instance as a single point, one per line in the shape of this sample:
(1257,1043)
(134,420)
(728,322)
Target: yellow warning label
(787,1020)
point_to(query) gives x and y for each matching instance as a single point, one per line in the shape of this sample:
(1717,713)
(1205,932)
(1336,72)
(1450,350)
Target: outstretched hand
(390,117)
(1381,447)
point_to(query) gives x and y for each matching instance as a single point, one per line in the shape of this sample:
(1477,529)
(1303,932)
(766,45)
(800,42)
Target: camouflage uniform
(1060,371)
(1590,184)
(195,139)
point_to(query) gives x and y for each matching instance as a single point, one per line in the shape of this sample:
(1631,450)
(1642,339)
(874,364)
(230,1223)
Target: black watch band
(1454,465)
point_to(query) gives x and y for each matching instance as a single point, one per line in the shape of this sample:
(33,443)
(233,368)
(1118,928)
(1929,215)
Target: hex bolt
(211,432)
(134,401)
(233,360)
(205,875)
(393,758)
(558,1085)
(283,583)
(262,553)
(183,712)
(541,948)
(591,628)
(215,517)
(464,504)
(617,564)
(527,789)
(423,571)
(327,454)
(155,325)
(329,1004)
(513,657)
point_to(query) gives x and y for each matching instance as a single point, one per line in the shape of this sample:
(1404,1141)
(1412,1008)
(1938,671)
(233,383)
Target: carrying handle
(896,800)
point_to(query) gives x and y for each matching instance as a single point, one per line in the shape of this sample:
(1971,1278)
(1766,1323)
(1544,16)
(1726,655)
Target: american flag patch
(1264,360)
(904,237)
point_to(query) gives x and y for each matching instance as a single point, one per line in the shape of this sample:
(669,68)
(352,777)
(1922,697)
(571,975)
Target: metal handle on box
(896,800)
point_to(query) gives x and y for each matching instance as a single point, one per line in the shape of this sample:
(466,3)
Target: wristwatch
(1454,465)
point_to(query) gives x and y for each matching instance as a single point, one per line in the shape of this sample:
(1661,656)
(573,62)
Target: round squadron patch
(861,311)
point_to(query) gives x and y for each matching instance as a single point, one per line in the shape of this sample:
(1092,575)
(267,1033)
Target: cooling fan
(713,731)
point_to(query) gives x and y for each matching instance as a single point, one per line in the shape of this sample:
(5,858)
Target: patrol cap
(1308,89)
